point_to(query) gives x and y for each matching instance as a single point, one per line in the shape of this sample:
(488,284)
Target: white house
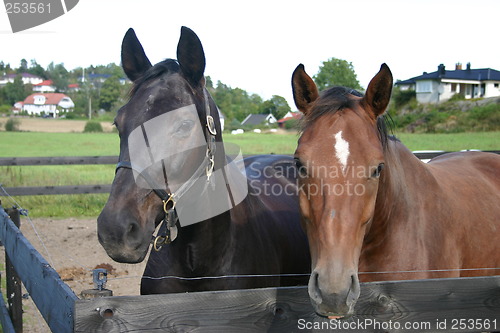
(222,119)
(258,119)
(18,107)
(26,77)
(51,104)
(44,86)
(441,85)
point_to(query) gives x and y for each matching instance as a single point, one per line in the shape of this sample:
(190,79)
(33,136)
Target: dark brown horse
(369,205)
(258,242)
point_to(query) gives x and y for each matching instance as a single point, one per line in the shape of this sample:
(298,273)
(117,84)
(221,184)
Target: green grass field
(97,144)
(26,144)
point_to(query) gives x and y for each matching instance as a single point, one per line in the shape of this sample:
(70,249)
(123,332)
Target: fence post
(14,293)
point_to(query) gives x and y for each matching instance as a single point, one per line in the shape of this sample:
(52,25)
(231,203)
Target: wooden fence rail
(441,305)
(95,160)
(418,306)
(62,160)
(53,298)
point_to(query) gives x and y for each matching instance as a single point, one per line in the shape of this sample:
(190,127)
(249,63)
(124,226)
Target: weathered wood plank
(54,299)
(13,282)
(424,302)
(61,160)
(7,326)
(55,190)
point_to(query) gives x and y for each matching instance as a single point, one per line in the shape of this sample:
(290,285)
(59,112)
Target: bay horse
(370,206)
(258,242)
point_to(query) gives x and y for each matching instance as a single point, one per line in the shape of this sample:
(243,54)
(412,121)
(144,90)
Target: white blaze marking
(341,150)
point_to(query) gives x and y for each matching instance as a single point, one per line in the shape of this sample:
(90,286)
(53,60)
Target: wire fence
(67,254)
(396,301)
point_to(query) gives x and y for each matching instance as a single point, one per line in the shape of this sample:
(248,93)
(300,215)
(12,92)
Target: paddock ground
(72,249)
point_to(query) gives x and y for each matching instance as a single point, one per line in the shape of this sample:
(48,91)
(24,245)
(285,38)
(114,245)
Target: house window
(424,86)
(496,85)
(39,100)
(453,87)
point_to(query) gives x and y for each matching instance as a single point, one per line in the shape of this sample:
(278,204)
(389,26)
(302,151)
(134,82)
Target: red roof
(73,85)
(50,98)
(295,115)
(44,83)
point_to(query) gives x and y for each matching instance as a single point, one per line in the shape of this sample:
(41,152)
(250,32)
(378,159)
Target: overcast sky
(255,45)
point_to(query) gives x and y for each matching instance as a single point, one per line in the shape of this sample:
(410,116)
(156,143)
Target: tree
(336,72)
(277,105)
(14,91)
(110,92)
(23,67)
(59,76)
(36,69)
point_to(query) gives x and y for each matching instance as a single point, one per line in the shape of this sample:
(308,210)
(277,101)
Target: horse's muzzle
(124,239)
(331,299)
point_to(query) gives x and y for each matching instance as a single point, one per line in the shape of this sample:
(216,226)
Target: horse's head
(163,140)
(340,159)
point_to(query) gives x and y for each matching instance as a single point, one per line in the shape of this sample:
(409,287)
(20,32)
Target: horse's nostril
(134,232)
(354,291)
(314,291)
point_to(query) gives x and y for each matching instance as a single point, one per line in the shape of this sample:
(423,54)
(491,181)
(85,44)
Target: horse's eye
(300,167)
(184,127)
(378,170)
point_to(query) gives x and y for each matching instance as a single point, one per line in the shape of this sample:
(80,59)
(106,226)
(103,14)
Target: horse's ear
(379,90)
(304,89)
(191,56)
(134,60)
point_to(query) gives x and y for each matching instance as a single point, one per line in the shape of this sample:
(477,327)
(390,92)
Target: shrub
(292,124)
(484,118)
(457,97)
(5,109)
(403,97)
(12,125)
(92,126)
(70,115)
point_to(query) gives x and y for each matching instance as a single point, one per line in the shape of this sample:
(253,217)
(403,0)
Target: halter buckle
(159,241)
(211,125)
(166,202)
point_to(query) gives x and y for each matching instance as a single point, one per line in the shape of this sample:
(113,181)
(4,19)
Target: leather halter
(169,198)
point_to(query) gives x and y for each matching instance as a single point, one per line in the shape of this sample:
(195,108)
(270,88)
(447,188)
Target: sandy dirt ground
(54,125)
(72,249)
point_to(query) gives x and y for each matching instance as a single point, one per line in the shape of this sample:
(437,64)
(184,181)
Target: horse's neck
(400,184)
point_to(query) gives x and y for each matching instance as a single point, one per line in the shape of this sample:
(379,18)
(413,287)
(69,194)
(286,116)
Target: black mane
(337,98)
(165,66)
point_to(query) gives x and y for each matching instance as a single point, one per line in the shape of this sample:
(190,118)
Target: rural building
(26,77)
(51,104)
(222,119)
(18,107)
(73,87)
(442,84)
(258,119)
(44,86)
(289,116)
